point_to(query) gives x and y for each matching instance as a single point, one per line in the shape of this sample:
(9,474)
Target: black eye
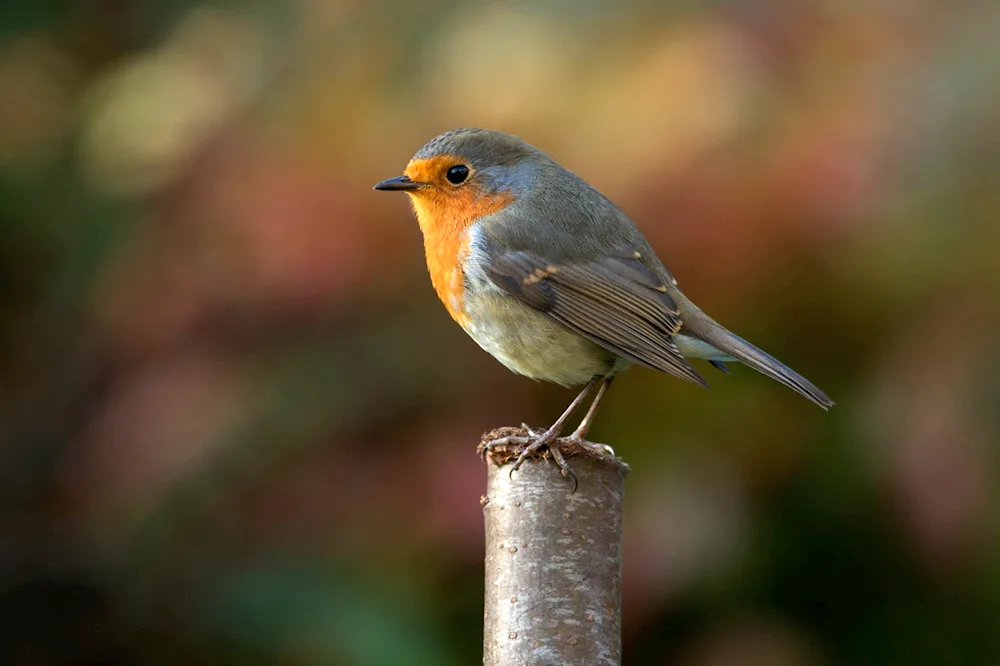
(457,174)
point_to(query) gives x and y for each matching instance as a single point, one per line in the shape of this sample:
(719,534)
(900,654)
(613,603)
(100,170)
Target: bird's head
(464,174)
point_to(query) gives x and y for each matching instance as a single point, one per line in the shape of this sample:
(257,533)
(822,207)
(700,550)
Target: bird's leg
(535,439)
(581,430)
(579,435)
(550,438)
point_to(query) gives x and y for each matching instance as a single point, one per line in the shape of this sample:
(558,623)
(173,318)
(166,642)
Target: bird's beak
(400,183)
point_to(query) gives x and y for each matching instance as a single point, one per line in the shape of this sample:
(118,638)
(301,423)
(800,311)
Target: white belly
(531,344)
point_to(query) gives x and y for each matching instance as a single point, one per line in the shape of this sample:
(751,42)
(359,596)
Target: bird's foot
(526,446)
(593,448)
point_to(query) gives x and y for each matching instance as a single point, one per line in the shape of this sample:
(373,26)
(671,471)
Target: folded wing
(616,302)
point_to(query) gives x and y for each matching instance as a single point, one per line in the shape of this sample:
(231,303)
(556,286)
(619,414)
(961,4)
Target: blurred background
(237,427)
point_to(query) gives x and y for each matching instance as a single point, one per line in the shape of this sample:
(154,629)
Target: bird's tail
(703,327)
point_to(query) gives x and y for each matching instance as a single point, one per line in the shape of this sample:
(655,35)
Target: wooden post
(553,560)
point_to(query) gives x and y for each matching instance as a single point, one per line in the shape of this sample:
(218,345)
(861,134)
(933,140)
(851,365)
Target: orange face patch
(445,212)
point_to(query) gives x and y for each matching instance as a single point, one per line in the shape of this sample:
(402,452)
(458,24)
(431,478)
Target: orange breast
(445,215)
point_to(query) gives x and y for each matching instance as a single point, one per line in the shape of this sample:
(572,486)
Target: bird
(553,280)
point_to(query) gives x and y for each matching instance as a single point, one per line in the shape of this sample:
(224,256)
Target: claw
(564,468)
(533,444)
(537,439)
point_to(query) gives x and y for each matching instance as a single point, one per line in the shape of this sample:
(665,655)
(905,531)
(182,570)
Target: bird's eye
(457,174)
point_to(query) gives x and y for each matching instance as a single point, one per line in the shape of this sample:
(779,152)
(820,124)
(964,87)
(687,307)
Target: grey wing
(616,302)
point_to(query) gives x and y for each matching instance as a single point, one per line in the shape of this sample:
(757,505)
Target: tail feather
(701,326)
(766,364)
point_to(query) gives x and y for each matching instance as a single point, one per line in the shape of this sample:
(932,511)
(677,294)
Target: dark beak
(401,183)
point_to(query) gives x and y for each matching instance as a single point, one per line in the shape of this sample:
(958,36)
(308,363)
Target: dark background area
(236,426)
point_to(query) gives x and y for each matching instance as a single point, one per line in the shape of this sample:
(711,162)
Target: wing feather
(617,302)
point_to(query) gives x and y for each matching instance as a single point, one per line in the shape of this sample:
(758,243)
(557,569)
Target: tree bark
(553,560)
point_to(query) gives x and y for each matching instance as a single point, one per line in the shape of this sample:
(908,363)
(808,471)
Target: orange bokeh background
(239,428)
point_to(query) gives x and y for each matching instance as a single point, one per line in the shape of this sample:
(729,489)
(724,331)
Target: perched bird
(553,280)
